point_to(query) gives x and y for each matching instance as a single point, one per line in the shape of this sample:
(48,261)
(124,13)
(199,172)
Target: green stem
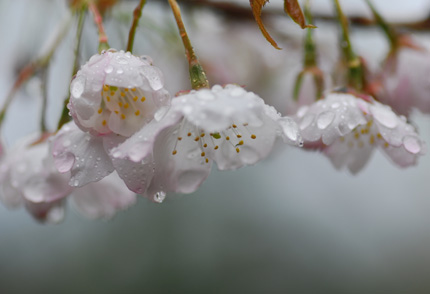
(44,86)
(65,117)
(30,69)
(310,48)
(388,30)
(355,69)
(98,20)
(136,16)
(197,75)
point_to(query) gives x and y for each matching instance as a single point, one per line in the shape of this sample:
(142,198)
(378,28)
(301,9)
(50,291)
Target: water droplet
(160,113)
(187,109)
(412,144)
(77,87)
(335,105)
(307,121)
(117,153)
(67,143)
(160,196)
(290,128)
(121,59)
(325,119)
(75,183)
(302,111)
(108,69)
(205,95)
(147,59)
(385,116)
(119,71)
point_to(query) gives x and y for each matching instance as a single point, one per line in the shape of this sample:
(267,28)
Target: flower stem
(197,75)
(355,69)
(44,86)
(388,30)
(310,48)
(136,16)
(33,67)
(65,117)
(98,20)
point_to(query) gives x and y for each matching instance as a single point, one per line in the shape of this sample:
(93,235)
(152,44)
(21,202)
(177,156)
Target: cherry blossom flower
(116,92)
(404,80)
(347,129)
(29,177)
(227,125)
(87,158)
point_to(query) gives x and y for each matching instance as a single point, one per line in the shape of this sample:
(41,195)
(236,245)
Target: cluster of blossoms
(129,136)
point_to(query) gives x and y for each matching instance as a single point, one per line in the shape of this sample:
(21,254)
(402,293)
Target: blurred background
(291,224)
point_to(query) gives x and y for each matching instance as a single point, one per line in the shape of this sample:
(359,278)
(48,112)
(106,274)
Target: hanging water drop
(160,196)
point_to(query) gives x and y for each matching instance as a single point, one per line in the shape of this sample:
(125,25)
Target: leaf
(256,6)
(292,8)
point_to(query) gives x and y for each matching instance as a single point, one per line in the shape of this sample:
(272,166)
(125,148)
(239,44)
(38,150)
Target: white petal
(104,198)
(349,153)
(136,175)
(82,154)
(216,110)
(46,212)
(330,118)
(183,172)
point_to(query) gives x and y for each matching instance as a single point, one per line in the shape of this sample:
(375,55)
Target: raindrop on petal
(325,119)
(385,117)
(412,144)
(77,87)
(108,69)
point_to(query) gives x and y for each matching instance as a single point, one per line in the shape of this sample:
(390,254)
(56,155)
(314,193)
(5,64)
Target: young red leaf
(256,6)
(292,8)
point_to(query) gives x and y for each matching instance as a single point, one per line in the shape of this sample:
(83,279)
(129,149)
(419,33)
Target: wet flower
(116,92)
(404,82)
(227,125)
(87,158)
(28,177)
(348,128)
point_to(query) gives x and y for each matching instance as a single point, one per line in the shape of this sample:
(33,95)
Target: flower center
(362,135)
(127,103)
(235,136)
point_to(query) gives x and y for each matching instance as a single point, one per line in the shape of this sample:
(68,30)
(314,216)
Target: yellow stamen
(174,152)
(122,116)
(143,99)
(100,110)
(104,122)
(137,112)
(253,136)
